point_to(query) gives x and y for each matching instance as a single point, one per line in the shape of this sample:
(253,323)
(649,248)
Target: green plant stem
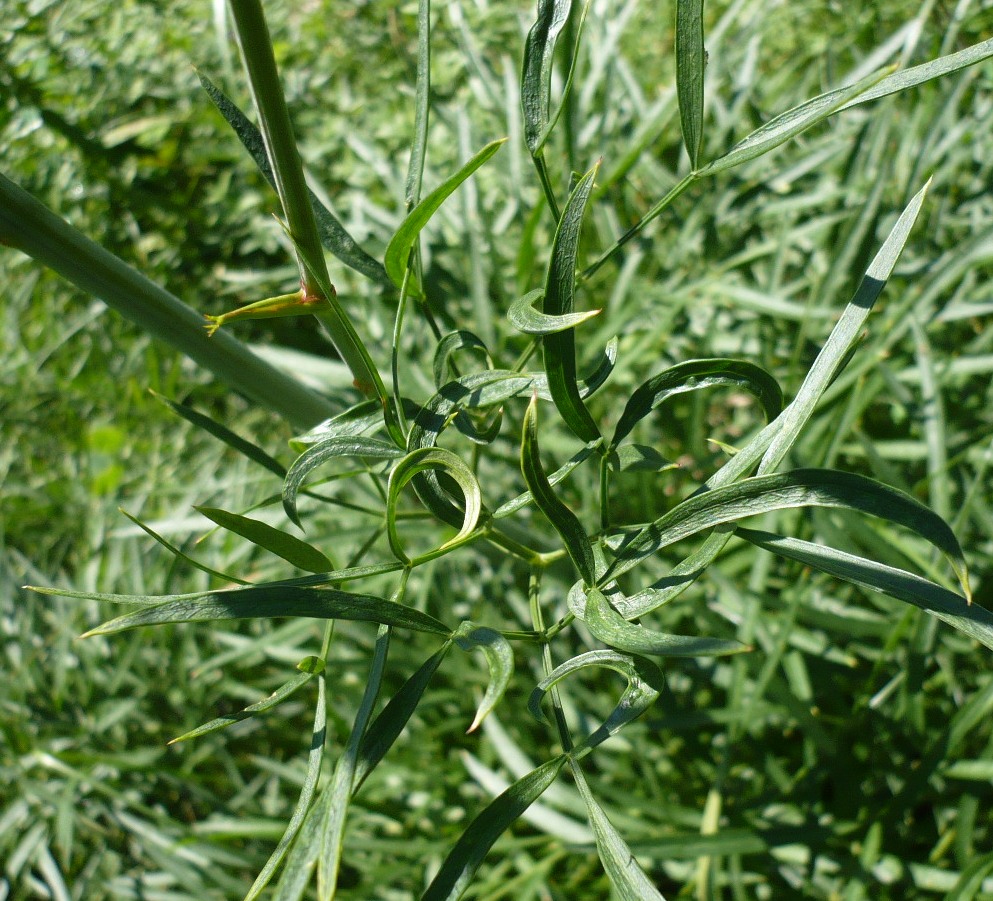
(29,226)
(539,164)
(639,226)
(538,623)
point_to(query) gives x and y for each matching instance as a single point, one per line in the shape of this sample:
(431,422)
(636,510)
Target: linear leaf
(446,349)
(536,75)
(416,462)
(791,123)
(310,667)
(398,250)
(694,375)
(973,620)
(522,500)
(690,63)
(334,236)
(611,628)
(292,549)
(265,601)
(464,859)
(799,488)
(626,875)
(328,449)
(843,336)
(560,291)
(645,683)
(499,658)
(525,318)
(563,520)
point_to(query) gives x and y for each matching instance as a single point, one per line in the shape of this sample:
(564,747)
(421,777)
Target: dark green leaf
(536,77)
(499,659)
(690,63)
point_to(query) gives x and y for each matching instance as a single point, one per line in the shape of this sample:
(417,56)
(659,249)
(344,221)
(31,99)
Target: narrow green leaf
(560,290)
(791,123)
(935,68)
(334,236)
(328,449)
(536,75)
(422,105)
(305,850)
(277,697)
(522,500)
(448,346)
(385,729)
(433,458)
(690,62)
(292,549)
(949,607)
(499,658)
(464,859)
(626,875)
(611,628)
(265,601)
(970,882)
(299,815)
(695,375)
(799,488)
(563,520)
(401,244)
(246,448)
(645,682)
(525,318)
(843,337)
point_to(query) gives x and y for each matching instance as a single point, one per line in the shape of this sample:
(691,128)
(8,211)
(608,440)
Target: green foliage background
(850,756)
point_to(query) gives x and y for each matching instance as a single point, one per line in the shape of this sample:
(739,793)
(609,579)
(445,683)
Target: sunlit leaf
(499,658)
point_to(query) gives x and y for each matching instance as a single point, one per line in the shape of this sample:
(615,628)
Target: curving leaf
(398,250)
(464,859)
(309,667)
(525,318)
(328,449)
(432,458)
(292,549)
(499,659)
(949,607)
(791,123)
(799,488)
(522,500)
(627,877)
(264,601)
(536,76)
(611,628)
(563,520)
(645,683)
(690,62)
(446,349)
(333,234)
(695,375)
(560,290)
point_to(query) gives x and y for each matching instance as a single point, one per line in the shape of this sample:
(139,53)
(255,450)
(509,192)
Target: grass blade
(464,859)
(560,290)
(690,63)
(563,520)
(292,549)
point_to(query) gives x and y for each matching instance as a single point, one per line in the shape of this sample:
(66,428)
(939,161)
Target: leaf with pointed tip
(385,729)
(328,449)
(973,620)
(416,462)
(525,318)
(696,375)
(837,348)
(310,667)
(791,123)
(334,236)
(292,549)
(626,875)
(464,859)
(799,488)
(690,62)
(560,291)
(398,250)
(645,683)
(611,628)
(536,76)
(499,658)
(563,520)
(264,601)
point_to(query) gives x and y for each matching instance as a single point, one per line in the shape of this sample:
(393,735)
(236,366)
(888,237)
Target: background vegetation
(850,756)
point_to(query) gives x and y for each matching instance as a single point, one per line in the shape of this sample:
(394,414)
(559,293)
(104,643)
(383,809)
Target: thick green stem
(30,226)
